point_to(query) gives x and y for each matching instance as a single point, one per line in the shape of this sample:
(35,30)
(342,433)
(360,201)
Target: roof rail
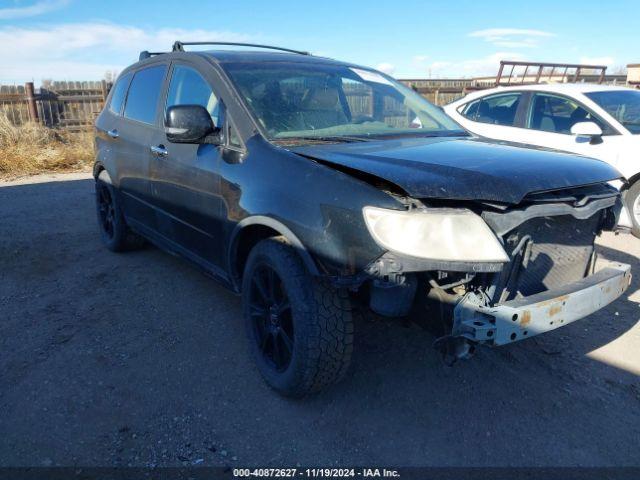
(539,72)
(147,54)
(178,46)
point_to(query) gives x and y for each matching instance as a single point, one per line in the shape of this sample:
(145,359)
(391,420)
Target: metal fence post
(31,101)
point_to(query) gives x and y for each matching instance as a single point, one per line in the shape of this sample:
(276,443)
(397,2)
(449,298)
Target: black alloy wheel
(106,211)
(271,314)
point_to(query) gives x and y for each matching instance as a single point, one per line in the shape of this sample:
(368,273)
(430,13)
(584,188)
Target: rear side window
(495,109)
(119,93)
(143,95)
(189,88)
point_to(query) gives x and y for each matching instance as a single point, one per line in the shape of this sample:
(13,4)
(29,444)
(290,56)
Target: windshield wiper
(419,134)
(451,133)
(323,138)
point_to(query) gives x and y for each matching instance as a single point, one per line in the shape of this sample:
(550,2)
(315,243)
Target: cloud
(512,37)
(84,51)
(33,10)
(485,66)
(386,68)
(420,58)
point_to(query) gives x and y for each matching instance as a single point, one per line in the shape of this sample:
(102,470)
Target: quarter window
(495,109)
(189,88)
(551,113)
(119,93)
(144,91)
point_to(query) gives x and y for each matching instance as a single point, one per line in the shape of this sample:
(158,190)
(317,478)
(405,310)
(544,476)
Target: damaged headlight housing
(455,235)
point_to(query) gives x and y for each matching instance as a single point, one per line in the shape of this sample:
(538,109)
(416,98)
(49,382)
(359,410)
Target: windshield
(623,105)
(318,101)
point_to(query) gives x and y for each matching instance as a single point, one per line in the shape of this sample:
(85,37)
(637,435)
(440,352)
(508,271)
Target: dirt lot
(139,359)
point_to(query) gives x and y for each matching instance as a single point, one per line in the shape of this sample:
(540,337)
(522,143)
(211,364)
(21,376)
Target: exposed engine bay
(550,241)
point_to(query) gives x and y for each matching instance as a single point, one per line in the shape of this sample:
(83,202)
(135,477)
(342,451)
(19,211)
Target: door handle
(159,150)
(113,133)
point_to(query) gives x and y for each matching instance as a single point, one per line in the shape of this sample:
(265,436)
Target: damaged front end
(541,273)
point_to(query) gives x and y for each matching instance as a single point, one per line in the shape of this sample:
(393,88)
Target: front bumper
(526,317)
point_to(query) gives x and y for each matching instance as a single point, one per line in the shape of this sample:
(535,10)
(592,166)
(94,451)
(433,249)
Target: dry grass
(30,148)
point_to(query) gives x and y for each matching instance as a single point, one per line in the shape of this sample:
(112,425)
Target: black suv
(313,188)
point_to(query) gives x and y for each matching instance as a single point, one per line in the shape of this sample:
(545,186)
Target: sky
(84,39)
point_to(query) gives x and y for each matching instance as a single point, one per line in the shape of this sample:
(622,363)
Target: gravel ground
(138,359)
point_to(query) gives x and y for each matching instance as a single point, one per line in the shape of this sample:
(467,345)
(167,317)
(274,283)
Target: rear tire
(115,233)
(632,202)
(300,329)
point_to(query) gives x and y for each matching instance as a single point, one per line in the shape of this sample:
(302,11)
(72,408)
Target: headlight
(456,235)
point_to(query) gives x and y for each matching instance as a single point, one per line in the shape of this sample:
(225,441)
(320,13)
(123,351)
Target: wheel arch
(97,168)
(251,230)
(631,180)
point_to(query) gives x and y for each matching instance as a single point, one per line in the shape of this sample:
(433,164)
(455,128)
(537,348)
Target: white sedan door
(494,116)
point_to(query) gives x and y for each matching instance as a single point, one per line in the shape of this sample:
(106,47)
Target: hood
(463,168)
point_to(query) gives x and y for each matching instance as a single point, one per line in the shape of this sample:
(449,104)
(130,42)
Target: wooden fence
(66,105)
(444,91)
(75,105)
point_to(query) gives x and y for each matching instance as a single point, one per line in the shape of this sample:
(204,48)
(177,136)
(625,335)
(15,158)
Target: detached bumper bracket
(529,316)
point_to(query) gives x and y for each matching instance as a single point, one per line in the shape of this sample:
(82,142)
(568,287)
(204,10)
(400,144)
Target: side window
(470,110)
(495,109)
(554,114)
(119,93)
(187,87)
(144,91)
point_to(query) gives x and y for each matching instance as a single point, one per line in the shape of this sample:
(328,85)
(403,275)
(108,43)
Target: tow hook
(453,349)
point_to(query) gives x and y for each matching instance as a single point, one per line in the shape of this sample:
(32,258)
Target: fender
(278,227)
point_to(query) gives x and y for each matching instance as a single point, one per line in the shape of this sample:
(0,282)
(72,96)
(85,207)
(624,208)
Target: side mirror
(190,124)
(587,130)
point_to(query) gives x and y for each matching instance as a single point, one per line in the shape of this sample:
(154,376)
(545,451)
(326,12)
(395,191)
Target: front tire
(632,202)
(300,329)
(114,231)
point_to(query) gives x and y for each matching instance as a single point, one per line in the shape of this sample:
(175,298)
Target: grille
(548,252)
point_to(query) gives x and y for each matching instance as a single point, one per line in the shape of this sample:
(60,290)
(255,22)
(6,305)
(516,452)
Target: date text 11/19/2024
(315,472)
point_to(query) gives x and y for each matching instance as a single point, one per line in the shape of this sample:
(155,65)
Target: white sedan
(597,121)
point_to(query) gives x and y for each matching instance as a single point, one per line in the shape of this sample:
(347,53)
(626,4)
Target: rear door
(495,116)
(109,148)
(134,133)
(185,177)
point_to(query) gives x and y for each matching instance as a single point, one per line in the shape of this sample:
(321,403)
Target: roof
(566,88)
(231,56)
(241,56)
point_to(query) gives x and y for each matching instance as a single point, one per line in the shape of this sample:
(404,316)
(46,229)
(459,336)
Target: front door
(548,124)
(185,178)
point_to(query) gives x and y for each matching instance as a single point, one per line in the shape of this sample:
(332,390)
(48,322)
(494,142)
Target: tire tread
(329,343)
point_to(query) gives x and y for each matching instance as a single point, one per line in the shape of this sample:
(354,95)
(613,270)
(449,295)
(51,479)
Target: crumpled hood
(463,168)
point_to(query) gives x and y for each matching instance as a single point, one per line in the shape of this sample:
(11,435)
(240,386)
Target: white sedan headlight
(455,235)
